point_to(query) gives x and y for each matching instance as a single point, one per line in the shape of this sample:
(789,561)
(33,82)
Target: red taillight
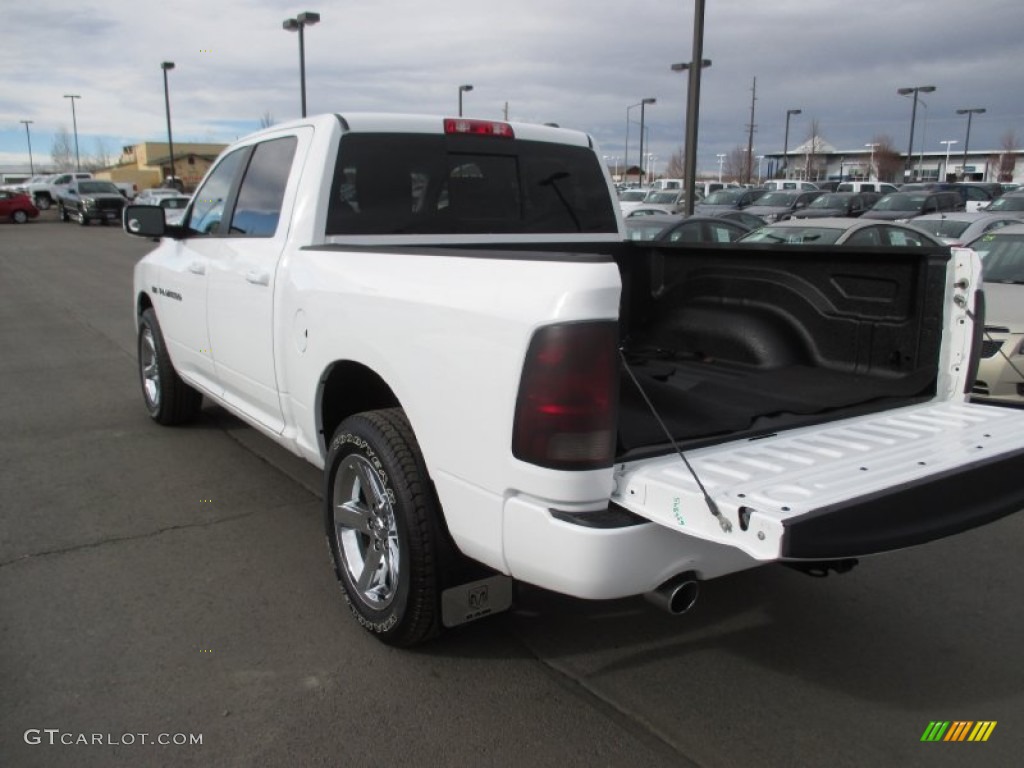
(479,127)
(566,411)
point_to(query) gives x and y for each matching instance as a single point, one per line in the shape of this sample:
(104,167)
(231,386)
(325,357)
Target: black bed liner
(729,340)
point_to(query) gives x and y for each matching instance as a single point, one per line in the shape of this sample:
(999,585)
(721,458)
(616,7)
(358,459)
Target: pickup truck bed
(734,341)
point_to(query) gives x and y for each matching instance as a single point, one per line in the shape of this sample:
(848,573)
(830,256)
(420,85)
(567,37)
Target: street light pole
(74,123)
(463,89)
(31,165)
(785,141)
(913,117)
(760,158)
(692,107)
(300,22)
(948,143)
(967,139)
(166,66)
(721,160)
(643,105)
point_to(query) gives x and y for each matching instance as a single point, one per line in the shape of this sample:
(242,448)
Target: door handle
(257,278)
(197,268)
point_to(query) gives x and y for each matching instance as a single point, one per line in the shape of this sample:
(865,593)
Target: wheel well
(347,388)
(143,304)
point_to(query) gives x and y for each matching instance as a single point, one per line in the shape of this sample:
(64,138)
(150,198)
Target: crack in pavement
(135,537)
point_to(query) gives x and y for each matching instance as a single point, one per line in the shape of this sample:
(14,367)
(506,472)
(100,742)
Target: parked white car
(1001,369)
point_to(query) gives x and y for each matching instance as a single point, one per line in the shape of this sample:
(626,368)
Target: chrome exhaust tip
(677,595)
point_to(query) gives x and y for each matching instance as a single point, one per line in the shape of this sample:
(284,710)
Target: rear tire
(43,202)
(169,400)
(383,527)
(19,217)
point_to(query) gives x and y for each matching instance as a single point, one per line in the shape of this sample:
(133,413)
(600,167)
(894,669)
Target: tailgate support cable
(722,521)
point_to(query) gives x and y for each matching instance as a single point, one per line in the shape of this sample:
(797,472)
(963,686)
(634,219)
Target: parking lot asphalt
(175,581)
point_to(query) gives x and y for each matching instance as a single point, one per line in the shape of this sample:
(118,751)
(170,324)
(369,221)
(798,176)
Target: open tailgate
(843,489)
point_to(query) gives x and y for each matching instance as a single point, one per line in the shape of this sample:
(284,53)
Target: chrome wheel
(150,369)
(365,529)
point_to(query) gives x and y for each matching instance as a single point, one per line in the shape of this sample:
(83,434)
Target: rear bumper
(604,563)
(917,512)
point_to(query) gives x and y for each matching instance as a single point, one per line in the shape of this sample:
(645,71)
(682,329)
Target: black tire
(62,212)
(383,527)
(19,217)
(168,399)
(83,220)
(43,202)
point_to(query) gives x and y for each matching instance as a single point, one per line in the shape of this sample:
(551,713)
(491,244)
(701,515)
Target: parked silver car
(960,228)
(856,232)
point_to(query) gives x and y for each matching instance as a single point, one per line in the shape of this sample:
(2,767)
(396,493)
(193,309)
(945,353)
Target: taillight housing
(567,408)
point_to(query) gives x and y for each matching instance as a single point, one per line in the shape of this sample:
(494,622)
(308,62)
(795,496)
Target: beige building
(149,163)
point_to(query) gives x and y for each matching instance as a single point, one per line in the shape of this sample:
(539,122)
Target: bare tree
(813,145)
(63,149)
(676,165)
(100,157)
(888,162)
(734,167)
(266,120)
(1008,156)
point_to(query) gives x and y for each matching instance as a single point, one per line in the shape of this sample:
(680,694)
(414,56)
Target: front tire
(169,400)
(383,529)
(62,212)
(83,220)
(19,217)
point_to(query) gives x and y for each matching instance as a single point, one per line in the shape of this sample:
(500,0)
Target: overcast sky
(579,63)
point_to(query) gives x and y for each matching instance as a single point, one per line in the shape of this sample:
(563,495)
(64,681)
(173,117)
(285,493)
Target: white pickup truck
(444,316)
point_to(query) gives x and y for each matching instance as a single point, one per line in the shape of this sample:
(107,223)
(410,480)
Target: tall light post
(298,24)
(948,143)
(871,162)
(31,165)
(692,107)
(166,66)
(463,89)
(760,159)
(74,123)
(967,139)
(785,141)
(721,161)
(643,105)
(916,89)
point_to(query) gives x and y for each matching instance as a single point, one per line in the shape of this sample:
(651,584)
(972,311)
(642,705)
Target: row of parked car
(85,200)
(781,199)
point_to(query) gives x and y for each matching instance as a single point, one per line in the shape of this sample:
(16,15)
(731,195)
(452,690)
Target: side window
(259,198)
(869,236)
(723,234)
(211,197)
(1000,223)
(688,232)
(867,187)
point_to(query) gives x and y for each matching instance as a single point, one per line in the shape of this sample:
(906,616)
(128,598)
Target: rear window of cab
(399,184)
